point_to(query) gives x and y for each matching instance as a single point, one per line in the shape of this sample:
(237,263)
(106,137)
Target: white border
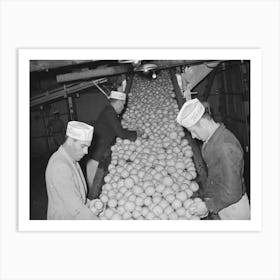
(24,55)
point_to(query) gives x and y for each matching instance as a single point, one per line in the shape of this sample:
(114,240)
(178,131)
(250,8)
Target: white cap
(118,95)
(79,130)
(190,113)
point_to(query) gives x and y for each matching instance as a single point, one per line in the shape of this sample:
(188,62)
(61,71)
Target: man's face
(199,131)
(79,149)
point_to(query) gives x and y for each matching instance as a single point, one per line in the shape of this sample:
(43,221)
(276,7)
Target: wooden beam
(174,63)
(197,157)
(210,82)
(179,97)
(100,72)
(163,64)
(129,82)
(39,65)
(60,92)
(117,70)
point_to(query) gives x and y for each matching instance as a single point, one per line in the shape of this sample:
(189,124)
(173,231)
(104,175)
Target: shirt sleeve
(121,132)
(225,179)
(70,197)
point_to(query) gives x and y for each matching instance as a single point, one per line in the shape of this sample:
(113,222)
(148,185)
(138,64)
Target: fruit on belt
(153,177)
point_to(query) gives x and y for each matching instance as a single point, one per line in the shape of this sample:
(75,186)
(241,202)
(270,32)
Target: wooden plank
(61,92)
(129,82)
(95,73)
(116,70)
(197,157)
(40,65)
(163,64)
(207,90)
(179,97)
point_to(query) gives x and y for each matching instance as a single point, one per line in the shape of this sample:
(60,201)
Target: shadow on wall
(38,192)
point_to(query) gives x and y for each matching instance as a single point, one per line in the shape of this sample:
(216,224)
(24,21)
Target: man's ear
(203,122)
(70,141)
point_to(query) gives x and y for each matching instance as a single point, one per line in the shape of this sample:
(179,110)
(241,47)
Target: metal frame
(63,92)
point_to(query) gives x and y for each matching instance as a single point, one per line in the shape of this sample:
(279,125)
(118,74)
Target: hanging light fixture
(146,67)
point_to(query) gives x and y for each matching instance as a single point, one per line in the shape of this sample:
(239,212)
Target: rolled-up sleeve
(121,132)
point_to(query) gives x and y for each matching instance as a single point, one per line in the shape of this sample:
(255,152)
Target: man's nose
(85,150)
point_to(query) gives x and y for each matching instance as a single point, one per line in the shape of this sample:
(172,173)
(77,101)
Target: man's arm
(121,132)
(224,181)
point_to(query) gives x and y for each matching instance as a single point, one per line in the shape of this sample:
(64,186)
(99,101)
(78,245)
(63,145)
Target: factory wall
(40,143)
(228,100)
(88,104)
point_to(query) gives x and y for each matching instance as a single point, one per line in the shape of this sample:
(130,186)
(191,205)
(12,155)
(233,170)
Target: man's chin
(79,158)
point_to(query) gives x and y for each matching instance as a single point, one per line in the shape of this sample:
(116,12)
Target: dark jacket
(223,156)
(106,129)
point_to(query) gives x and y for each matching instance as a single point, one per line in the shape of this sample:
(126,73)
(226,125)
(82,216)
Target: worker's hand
(199,208)
(89,203)
(140,132)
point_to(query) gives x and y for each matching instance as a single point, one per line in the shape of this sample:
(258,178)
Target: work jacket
(66,188)
(106,129)
(223,156)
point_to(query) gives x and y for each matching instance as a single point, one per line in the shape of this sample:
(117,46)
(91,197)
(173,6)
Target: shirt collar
(213,131)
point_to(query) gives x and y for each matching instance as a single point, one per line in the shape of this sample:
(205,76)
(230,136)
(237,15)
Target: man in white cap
(66,186)
(224,192)
(107,128)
